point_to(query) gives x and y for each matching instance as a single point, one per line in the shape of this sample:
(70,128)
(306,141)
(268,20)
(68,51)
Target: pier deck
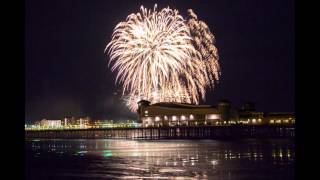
(178,132)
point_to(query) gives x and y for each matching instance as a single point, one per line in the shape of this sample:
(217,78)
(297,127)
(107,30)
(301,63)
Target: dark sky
(66,68)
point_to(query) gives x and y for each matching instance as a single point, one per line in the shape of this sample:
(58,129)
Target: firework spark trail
(159,57)
(203,41)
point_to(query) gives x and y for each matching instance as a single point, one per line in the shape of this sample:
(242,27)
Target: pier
(176,132)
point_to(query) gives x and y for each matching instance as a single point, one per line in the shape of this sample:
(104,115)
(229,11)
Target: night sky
(66,70)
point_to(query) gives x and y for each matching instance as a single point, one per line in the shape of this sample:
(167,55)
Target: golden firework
(160,57)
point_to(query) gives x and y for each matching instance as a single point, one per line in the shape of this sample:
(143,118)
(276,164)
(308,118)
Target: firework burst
(160,57)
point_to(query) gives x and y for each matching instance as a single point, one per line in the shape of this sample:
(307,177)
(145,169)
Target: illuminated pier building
(177,114)
(280,118)
(248,115)
(172,114)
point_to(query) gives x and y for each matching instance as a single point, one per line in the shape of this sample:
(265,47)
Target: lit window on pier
(212,116)
(191,117)
(271,121)
(174,118)
(183,117)
(157,118)
(214,162)
(254,120)
(166,118)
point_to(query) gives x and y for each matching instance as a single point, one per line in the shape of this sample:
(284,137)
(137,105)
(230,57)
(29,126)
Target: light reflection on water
(186,159)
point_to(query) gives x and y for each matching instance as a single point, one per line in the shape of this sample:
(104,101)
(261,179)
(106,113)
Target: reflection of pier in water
(178,132)
(173,153)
